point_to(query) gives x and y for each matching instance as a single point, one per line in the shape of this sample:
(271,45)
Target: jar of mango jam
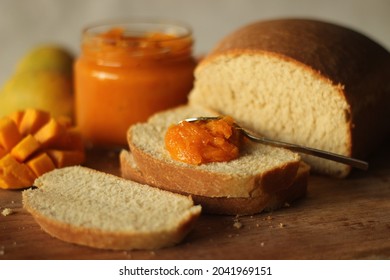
(126,72)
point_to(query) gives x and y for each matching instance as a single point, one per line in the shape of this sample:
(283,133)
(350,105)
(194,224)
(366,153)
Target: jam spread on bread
(203,141)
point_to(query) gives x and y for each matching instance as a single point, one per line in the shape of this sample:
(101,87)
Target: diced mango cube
(71,140)
(33,120)
(63,158)
(41,164)
(9,134)
(65,121)
(3,152)
(20,171)
(17,117)
(26,147)
(8,181)
(49,133)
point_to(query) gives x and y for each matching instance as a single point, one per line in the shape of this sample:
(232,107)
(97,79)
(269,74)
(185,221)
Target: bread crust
(113,240)
(229,205)
(355,65)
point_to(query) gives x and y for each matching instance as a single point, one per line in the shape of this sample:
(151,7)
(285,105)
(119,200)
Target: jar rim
(139,26)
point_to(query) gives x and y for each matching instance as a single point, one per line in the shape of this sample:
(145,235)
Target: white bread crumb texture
(91,199)
(279,98)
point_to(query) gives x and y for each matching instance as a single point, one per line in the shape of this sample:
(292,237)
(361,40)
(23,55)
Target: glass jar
(128,71)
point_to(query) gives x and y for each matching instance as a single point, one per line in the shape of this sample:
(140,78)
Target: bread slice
(229,205)
(263,177)
(259,169)
(92,208)
(301,81)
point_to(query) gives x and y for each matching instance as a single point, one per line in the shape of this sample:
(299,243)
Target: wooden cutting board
(339,219)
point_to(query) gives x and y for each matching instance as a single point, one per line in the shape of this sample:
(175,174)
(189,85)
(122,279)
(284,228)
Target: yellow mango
(63,158)
(33,120)
(9,134)
(41,164)
(26,147)
(51,91)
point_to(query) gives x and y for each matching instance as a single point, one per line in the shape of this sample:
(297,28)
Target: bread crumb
(281,225)
(2,251)
(237,225)
(269,218)
(262,244)
(286,204)
(6,211)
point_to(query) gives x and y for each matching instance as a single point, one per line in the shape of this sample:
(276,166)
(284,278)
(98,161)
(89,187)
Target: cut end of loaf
(92,208)
(280,98)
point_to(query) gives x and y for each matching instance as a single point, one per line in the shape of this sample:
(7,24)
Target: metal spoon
(293,147)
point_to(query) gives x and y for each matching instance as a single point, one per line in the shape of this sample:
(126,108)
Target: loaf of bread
(302,81)
(92,208)
(256,176)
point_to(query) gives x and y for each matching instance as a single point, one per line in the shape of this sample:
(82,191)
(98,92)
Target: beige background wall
(24,23)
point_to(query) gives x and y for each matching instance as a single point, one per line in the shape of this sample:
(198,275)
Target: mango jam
(127,72)
(203,141)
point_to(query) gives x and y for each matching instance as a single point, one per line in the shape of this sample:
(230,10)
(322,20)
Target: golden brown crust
(185,179)
(355,64)
(322,46)
(111,240)
(229,205)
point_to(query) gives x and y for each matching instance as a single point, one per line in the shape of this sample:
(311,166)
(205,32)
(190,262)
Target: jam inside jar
(126,72)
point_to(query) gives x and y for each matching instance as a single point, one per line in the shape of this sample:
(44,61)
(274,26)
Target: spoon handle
(310,151)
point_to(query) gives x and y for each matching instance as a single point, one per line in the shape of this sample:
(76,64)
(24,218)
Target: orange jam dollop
(203,141)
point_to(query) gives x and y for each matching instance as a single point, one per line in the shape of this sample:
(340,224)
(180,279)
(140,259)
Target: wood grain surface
(339,219)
